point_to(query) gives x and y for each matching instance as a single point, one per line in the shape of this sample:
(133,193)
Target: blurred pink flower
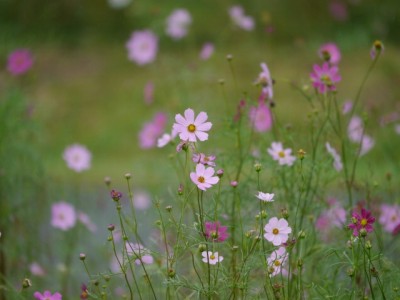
(216,232)
(240,19)
(148,92)
(389,217)
(363,220)
(141,200)
(355,131)
(85,220)
(330,53)
(77,157)
(152,130)
(63,215)
(367,143)
(37,269)
(142,47)
(277,231)
(191,129)
(265,80)
(334,216)
(283,156)
(338,10)
(177,23)
(19,61)
(276,260)
(347,107)
(141,254)
(47,296)
(206,51)
(337,161)
(325,77)
(260,117)
(203,177)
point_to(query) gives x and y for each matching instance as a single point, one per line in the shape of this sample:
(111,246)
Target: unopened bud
(128,175)
(257,167)
(180,190)
(111,227)
(26,283)
(82,256)
(301,154)
(229,57)
(285,213)
(168,208)
(107,181)
(202,247)
(220,173)
(350,272)
(234,183)
(368,245)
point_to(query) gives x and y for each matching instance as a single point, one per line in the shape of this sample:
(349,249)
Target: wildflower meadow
(184,150)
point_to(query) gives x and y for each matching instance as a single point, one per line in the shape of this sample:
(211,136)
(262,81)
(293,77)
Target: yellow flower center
(326,79)
(277,263)
(191,128)
(212,256)
(275,231)
(201,179)
(281,154)
(363,222)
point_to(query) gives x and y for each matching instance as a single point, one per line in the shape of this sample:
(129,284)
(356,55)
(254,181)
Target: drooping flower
(203,177)
(211,258)
(337,161)
(201,158)
(266,197)
(260,117)
(330,52)
(151,131)
(215,232)
(191,129)
(63,215)
(148,92)
(276,260)
(363,220)
(241,20)
(142,47)
(277,231)
(177,23)
(47,296)
(389,217)
(265,80)
(77,157)
(206,51)
(19,61)
(325,77)
(283,156)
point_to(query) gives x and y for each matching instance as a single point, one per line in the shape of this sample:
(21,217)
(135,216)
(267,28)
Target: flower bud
(180,190)
(363,232)
(26,283)
(202,247)
(111,227)
(107,181)
(285,213)
(257,167)
(115,195)
(229,57)
(350,272)
(220,173)
(128,176)
(368,245)
(168,208)
(301,154)
(234,183)
(82,256)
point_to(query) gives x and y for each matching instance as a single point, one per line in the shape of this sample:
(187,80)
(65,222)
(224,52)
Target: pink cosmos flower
(151,131)
(211,258)
(364,220)
(324,77)
(201,158)
(389,217)
(206,51)
(19,62)
(330,53)
(63,216)
(37,269)
(355,131)
(283,156)
(276,260)
(334,216)
(191,129)
(47,296)
(142,47)
(77,157)
(367,143)
(266,197)
(148,92)
(337,161)
(240,19)
(277,231)
(203,177)
(216,232)
(265,80)
(177,23)
(141,254)
(261,117)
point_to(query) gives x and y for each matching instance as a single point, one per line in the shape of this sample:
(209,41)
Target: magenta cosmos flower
(324,77)
(142,47)
(63,216)
(203,177)
(47,296)
(277,231)
(330,53)
(361,221)
(191,129)
(216,232)
(19,61)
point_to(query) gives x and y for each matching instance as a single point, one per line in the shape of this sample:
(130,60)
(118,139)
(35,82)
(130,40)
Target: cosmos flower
(240,19)
(63,215)
(261,117)
(19,61)
(201,158)
(151,131)
(203,177)
(191,129)
(206,51)
(276,260)
(265,80)
(389,217)
(211,258)
(361,221)
(266,197)
(47,296)
(177,23)
(325,77)
(277,231)
(330,52)
(283,156)
(142,47)
(337,161)
(77,157)
(214,231)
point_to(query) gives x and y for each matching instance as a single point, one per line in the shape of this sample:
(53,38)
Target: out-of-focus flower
(151,131)
(330,53)
(325,77)
(363,220)
(148,92)
(85,220)
(63,215)
(389,217)
(19,61)
(338,10)
(261,117)
(215,232)
(240,19)
(203,177)
(37,269)
(397,128)
(277,231)
(367,143)
(347,106)
(276,260)
(211,258)
(201,158)
(84,292)
(77,157)
(141,253)
(191,129)
(266,197)
(141,200)
(377,48)
(334,216)
(119,4)
(47,296)
(265,80)
(177,23)
(283,156)
(142,47)
(337,161)
(355,131)
(206,51)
